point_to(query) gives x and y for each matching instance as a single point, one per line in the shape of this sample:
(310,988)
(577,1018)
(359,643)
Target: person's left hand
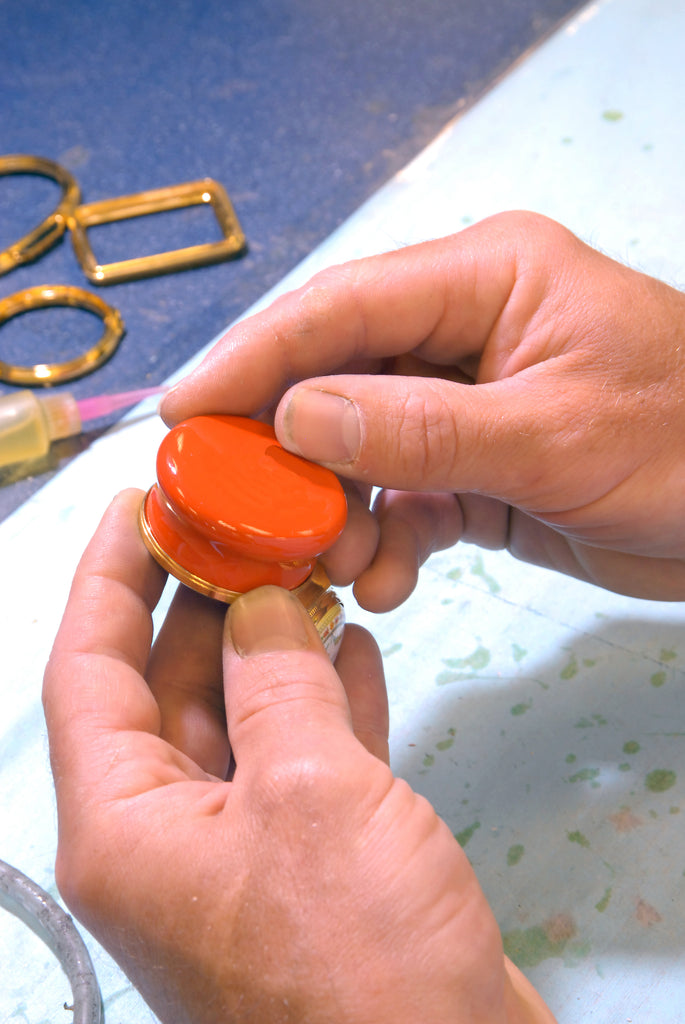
(306,883)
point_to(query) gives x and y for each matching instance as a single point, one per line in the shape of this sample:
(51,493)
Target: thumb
(424,434)
(284,697)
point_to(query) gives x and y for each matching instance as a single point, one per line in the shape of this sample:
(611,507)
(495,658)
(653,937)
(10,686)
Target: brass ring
(53,227)
(61,295)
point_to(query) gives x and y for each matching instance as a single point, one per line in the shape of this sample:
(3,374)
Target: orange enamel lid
(233,510)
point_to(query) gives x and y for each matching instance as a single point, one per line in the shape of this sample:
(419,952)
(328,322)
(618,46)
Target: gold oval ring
(50,230)
(61,295)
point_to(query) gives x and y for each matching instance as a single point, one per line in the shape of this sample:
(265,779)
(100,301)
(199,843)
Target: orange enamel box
(233,510)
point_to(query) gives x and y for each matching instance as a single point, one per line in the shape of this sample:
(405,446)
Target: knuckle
(425,440)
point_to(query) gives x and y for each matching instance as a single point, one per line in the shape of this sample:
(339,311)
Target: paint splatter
(667,655)
(588,723)
(612,115)
(514,854)
(660,780)
(646,914)
(467,833)
(520,709)
(530,946)
(444,744)
(604,902)
(585,775)
(658,678)
(393,649)
(455,574)
(465,667)
(570,669)
(571,759)
(624,820)
(429,761)
(518,652)
(631,747)
(578,837)
(478,569)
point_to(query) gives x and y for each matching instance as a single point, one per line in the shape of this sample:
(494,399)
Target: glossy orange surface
(234,508)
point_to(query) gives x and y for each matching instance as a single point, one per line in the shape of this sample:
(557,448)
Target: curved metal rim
(36,908)
(45,295)
(51,229)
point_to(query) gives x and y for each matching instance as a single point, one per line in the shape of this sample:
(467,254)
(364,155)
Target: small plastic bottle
(233,510)
(29,425)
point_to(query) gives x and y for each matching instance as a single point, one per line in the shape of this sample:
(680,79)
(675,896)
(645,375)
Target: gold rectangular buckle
(175,197)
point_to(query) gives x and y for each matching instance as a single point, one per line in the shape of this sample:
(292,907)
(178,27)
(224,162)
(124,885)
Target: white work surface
(542,717)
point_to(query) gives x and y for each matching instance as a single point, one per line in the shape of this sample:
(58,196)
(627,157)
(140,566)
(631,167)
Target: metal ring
(61,295)
(36,908)
(53,227)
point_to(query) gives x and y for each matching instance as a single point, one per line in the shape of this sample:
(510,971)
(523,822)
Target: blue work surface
(300,109)
(542,717)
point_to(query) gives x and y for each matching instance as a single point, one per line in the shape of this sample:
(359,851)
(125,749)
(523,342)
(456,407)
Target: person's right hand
(536,385)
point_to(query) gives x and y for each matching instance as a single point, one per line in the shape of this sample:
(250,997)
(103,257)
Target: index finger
(440,297)
(93,682)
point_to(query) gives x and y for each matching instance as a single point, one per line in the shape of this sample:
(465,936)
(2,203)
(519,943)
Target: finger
(283,695)
(354,550)
(93,683)
(427,434)
(186,677)
(412,526)
(440,298)
(360,667)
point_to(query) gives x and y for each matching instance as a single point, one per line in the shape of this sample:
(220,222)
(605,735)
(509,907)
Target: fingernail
(268,619)
(322,427)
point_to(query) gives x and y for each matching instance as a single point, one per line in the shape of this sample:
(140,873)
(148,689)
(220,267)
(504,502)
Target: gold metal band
(204,192)
(50,230)
(61,295)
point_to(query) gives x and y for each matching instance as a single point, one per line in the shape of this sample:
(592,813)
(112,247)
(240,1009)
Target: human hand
(313,886)
(568,451)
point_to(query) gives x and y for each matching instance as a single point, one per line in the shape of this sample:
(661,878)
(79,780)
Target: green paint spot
(625,767)
(520,709)
(447,600)
(514,854)
(477,660)
(667,654)
(604,902)
(478,569)
(658,678)
(612,115)
(466,667)
(571,759)
(429,761)
(578,837)
(631,747)
(466,834)
(444,744)
(529,947)
(571,669)
(455,574)
(567,140)
(674,810)
(660,780)
(588,723)
(589,662)
(467,220)
(393,649)
(518,652)
(585,775)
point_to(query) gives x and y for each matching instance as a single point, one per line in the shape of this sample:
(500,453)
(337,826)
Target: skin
(508,386)
(568,449)
(312,886)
